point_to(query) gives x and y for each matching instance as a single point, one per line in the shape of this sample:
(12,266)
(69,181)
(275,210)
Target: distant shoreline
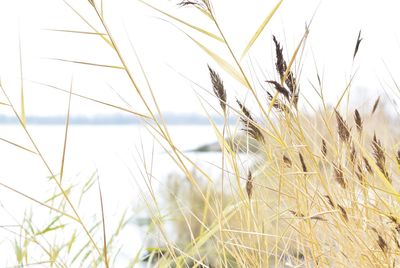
(170,119)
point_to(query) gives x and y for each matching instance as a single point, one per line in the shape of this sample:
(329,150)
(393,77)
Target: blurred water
(116,152)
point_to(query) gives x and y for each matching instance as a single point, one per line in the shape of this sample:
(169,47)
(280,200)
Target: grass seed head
(218,88)
(343,129)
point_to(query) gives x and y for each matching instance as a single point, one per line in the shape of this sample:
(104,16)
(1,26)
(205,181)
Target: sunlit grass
(319,191)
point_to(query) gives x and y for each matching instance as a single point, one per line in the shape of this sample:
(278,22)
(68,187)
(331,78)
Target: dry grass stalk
(379,155)
(250,126)
(396,241)
(303,164)
(343,129)
(324,148)
(360,175)
(375,105)
(358,120)
(287,161)
(218,87)
(339,177)
(249,185)
(398,157)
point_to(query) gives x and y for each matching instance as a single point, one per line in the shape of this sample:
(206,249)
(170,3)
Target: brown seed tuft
(343,129)
(344,213)
(330,201)
(382,243)
(358,120)
(218,87)
(281,67)
(319,218)
(249,185)
(287,161)
(353,154)
(200,4)
(398,157)
(398,228)
(375,105)
(367,165)
(393,219)
(339,176)
(277,103)
(297,214)
(280,61)
(303,164)
(359,39)
(396,241)
(250,127)
(280,89)
(324,149)
(379,155)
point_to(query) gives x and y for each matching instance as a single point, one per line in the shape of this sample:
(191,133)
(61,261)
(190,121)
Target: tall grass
(319,191)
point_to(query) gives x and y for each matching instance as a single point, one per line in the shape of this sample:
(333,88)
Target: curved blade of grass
(221,62)
(89,63)
(260,29)
(88,24)
(37,201)
(19,146)
(76,32)
(66,133)
(23,117)
(184,22)
(103,225)
(96,101)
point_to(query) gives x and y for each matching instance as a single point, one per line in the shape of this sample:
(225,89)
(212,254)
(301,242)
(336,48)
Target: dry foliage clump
(322,190)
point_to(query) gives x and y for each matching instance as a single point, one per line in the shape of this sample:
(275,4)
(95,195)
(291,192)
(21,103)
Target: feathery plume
(218,87)
(343,129)
(287,161)
(250,126)
(280,89)
(344,213)
(367,165)
(358,120)
(324,149)
(353,154)
(277,103)
(375,105)
(379,155)
(303,164)
(249,185)
(382,243)
(281,67)
(359,39)
(339,177)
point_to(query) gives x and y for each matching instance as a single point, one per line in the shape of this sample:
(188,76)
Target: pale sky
(166,51)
